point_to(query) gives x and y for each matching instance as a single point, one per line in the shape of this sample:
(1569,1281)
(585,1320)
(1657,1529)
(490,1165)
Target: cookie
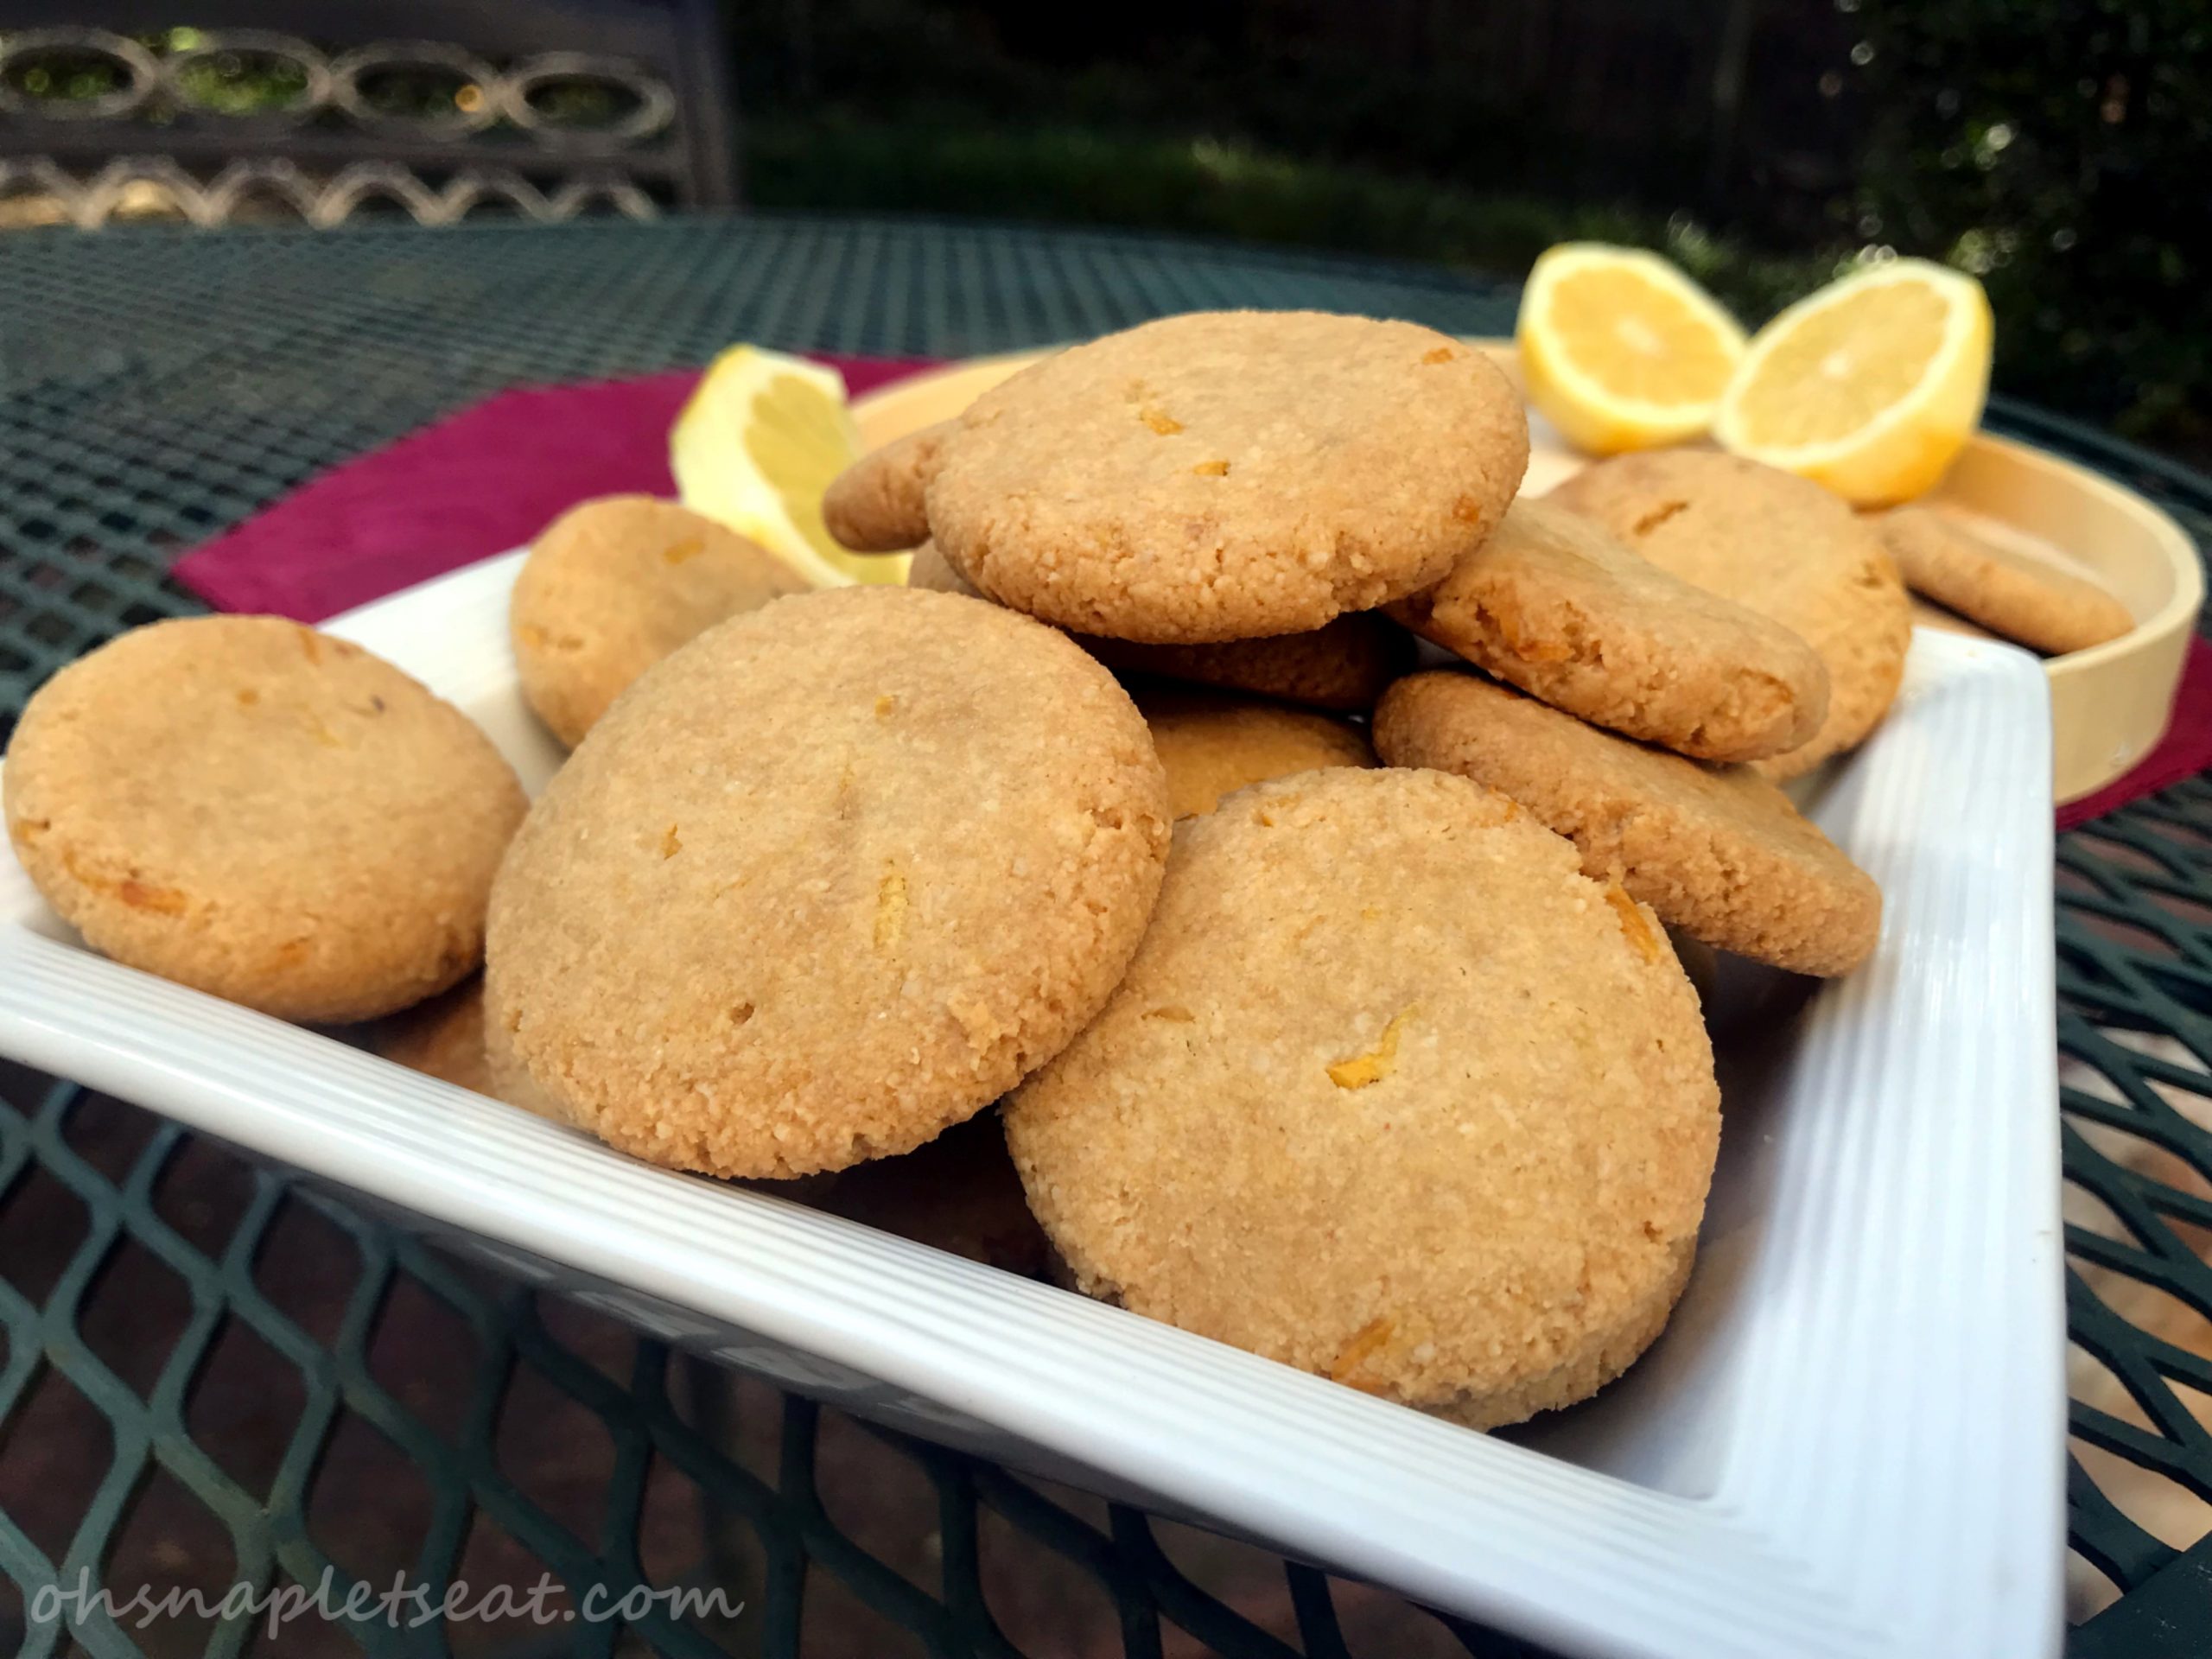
(613,586)
(1554,605)
(2037,605)
(1394,1093)
(258,810)
(832,877)
(1228,474)
(1780,546)
(1716,851)
(876,506)
(1212,746)
(1343,665)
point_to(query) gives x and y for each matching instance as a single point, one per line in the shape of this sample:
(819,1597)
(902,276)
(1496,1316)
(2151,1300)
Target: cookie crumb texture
(2038,605)
(1719,851)
(1391,1093)
(1214,746)
(1228,475)
(917,838)
(1554,605)
(264,812)
(877,505)
(613,586)
(1779,546)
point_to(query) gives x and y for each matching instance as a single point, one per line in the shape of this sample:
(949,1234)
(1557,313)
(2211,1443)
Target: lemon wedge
(1870,387)
(756,447)
(1620,350)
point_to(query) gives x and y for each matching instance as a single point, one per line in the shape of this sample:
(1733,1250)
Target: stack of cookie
(1391,1072)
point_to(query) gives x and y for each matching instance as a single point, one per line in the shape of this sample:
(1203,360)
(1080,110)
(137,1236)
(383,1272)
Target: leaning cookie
(1554,605)
(831,877)
(258,810)
(613,586)
(1775,544)
(2037,605)
(1214,746)
(1331,1116)
(1716,851)
(1228,475)
(876,505)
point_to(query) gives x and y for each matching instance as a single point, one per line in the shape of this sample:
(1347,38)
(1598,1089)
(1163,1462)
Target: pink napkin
(480,482)
(491,477)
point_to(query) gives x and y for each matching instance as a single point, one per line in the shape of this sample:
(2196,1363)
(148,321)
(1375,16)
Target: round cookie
(1392,1092)
(1554,605)
(876,506)
(1716,851)
(2037,605)
(613,586)
(1781,546)
(261,811)
(1228,474)
(1212,746)
(832,877)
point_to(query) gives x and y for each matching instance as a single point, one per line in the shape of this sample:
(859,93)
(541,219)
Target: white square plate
(1848,1442)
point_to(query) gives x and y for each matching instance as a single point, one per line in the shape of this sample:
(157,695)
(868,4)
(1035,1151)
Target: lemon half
(755,448)
(1870,387)
(1622,351)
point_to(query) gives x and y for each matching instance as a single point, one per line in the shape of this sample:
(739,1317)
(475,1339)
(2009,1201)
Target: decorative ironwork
(487,142)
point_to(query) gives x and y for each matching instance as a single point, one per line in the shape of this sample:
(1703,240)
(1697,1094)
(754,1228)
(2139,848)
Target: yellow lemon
(1620,350)
(1870,387)
(759,440)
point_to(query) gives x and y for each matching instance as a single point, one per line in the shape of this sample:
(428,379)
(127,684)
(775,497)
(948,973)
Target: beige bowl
(2109,705)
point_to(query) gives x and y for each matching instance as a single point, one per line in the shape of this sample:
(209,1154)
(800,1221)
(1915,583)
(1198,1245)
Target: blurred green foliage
(2062,149)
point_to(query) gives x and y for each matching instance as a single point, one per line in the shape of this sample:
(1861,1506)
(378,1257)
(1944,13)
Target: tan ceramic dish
(2109,704)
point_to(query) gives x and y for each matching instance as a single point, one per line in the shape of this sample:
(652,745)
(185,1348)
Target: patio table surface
(212,1372)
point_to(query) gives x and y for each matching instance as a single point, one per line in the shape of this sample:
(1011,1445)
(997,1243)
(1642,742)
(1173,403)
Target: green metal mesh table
(211,1373)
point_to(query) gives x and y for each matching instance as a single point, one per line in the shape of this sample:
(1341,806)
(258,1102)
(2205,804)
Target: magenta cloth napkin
(480,482)
(487,480)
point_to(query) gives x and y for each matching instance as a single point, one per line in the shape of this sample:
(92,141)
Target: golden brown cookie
(1927,615)
(1212,746)
(2038,605)
(1343,665)
(1393,1093)
(1228,474)
(258,810)
(876,506)
(832,877)
(613,585)
(1554,605)
(1716,851)
(1781,546)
